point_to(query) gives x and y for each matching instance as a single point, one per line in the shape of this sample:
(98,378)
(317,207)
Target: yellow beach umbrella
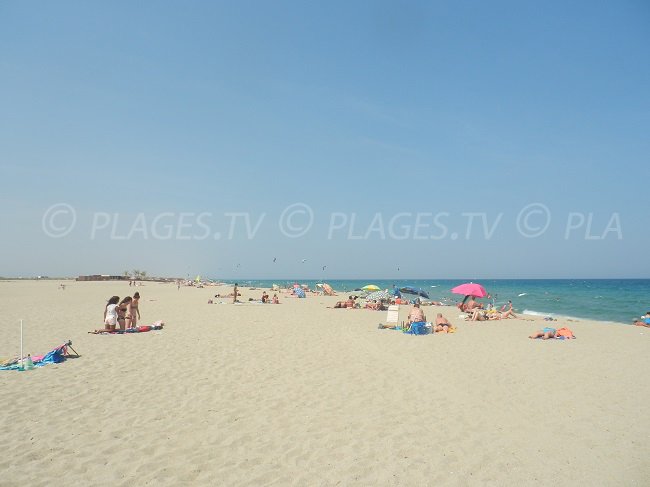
(371,287)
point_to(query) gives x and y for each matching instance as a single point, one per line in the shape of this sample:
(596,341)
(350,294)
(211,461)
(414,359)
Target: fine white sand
(299,394)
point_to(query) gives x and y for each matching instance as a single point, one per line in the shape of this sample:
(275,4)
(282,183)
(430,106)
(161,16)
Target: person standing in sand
(134,310)
(234,294)
(122,309)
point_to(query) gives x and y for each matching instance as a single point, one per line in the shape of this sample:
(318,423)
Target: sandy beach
(302,394)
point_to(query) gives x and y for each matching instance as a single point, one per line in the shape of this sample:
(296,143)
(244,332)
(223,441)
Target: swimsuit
(549,330)
(111,315)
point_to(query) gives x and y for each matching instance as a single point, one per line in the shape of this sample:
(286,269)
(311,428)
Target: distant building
(102,277)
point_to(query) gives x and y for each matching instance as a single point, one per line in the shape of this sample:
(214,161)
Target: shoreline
(209,282)
(533,314)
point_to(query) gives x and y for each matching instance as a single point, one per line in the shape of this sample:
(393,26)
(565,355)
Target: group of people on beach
(476,312)
(441,324)
(273,300)
(124,313)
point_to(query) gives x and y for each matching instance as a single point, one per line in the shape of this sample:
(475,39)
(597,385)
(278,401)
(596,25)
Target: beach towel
(418,328)
(158,325)
(55,356)
(561,334)
(564,333)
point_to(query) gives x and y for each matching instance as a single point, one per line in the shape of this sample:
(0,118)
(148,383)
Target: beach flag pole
(22,363)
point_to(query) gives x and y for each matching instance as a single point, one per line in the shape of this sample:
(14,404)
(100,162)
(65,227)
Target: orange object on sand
(564,332)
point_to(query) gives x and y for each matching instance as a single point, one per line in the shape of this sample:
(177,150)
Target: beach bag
(418,328)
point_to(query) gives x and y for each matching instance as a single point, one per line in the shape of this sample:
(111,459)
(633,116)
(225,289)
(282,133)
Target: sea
(606,300)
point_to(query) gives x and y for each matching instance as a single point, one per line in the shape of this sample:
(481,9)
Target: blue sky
(159,123)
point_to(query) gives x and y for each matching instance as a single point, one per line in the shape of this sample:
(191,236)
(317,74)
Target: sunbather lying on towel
(561,333)
(374,304)
(544,334)
(158,325)
(442,324)
(477,315)
(346,304)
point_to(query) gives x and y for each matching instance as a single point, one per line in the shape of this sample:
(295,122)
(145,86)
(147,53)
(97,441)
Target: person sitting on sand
(374,304)
(642,322)
(416,314)
(472,304)
(265,297)
(507,314)
(275,299)
(544,334)
(442,324)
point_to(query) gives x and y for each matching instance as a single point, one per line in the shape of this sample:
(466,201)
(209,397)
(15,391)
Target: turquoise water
(617,300)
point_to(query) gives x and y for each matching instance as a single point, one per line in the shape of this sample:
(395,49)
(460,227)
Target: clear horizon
(339,139)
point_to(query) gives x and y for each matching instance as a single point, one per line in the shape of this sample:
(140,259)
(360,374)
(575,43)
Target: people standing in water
(110,313)
(134,310)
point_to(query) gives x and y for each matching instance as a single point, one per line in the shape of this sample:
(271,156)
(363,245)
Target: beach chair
(392,315)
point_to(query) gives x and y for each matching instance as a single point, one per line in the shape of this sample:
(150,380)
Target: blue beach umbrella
(416,292)
(299,292)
